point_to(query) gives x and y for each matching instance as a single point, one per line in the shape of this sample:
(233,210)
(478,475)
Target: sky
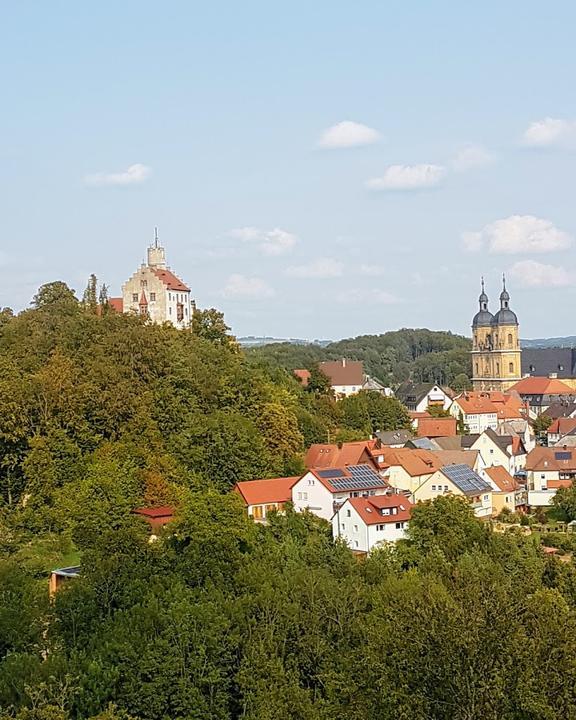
(315,170)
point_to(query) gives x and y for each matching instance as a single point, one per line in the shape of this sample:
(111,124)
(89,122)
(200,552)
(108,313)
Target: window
(355,528)
(510,340)
(257,512)
(355,543)
(310,481)
(560,367)
(299,496)
(179,312)
(433,488)
(169,311)
(511,367)
(497,368)
(353,389)
(304,496)
(342,526)
(380,527)
(152,297)
(348,513)
(134,297)
(143,283)
(169,296)
(445,488)
(398,526)
(491,451)
(485,498)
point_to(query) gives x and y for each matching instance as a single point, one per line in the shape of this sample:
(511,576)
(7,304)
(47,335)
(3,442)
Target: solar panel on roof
(563,456)
(362,477)
(465,478)
(332,473)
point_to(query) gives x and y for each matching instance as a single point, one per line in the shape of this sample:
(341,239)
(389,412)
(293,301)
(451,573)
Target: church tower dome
(505,316)
(483,317)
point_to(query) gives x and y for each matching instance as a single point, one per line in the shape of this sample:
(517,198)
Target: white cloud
(471,157)
(372,270)
(532,274)
(518,234)
(241,286)
(270,242)
(408,177)
(550,132)
(348,134)
(318,269)
(133,175)
(358,296)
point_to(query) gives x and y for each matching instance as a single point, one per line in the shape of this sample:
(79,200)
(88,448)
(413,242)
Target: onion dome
(484,317)
(505,316)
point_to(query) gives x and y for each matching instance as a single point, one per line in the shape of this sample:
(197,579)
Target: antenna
(155,237)
(482,280)
(504,281)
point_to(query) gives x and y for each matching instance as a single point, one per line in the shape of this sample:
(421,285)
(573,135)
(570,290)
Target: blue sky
(221,123)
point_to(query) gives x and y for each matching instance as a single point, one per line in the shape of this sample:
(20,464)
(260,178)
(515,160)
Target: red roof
(417,415)
(542,386)
(344,372)
(155,512)
(476,403)
(116,304)
(143,300)
(562,426)
(333,455)
(551,459)
(261,492)
(432,427)
(170,280)
(370,509)
(303,375)
(502,478)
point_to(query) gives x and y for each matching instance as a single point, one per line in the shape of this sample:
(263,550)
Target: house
(365,523)
(472,458)
(156,517)
(547,469)
(458,480)
(346,376)
(433,427)
(373,385)
(505,450)
(509,406)
(302,375)
(263,496)
(394,438)
(548,362)
(476,410)
(408,469)
(322,491)
(323,455)
(156,293)
(560,409)
(60,577)
(418,397)
(542,392)
(560,428)
(507,493)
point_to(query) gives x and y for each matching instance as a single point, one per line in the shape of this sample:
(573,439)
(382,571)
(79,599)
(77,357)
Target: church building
(155,292)
(496,353)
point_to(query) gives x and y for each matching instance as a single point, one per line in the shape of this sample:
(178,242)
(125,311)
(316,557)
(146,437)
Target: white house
(458,480)
(365,523)
(322,491)
(548,469)
(263,496)
(418,397)
(476,410)
(346,376)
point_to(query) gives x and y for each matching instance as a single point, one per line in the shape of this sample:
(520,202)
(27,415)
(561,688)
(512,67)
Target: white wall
(348,525)
(309,494)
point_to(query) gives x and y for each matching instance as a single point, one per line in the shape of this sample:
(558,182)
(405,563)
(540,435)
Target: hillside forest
(221,618)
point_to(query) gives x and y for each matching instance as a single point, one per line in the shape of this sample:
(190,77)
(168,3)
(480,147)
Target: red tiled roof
(417,415)
(303,375)
(502,478)
(551,459)
(415,462)
(170,280)
(542,386)
(370,508)
(271,490)
(562,426)
(432,427)
(333,455)
(155,512)
(344,372)
(556,484)
(476,403)
(143,300)
(116,304)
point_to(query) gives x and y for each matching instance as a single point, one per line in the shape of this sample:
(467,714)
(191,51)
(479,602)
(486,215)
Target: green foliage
(565,501)
(541,424)
(210,325)
(369,412)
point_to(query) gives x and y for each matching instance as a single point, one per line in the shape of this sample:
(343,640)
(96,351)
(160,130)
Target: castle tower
(496,353)
(156,254)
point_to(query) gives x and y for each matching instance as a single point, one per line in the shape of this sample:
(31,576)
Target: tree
(54,294)
(565,501)
(210,325)
(541,424)
(318,382)
(90,297)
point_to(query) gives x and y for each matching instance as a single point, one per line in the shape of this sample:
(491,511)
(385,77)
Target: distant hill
(420,354)
(559,342)
(254,341)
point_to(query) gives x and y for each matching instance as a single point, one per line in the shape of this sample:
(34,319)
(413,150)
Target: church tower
(496,353)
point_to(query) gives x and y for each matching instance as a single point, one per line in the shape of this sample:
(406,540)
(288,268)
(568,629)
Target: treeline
(393,357)
(222,619)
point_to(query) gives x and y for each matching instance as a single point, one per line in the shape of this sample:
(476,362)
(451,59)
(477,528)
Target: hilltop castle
(496,353)
(155,292)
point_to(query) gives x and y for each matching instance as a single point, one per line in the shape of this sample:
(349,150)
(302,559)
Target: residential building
(393,438)
(302,375)
(156,517)
(496,353)
(322,491)
(550,362)
(323,455)
(458,480)
(264,496)
(507,451)
(346,376)
(476,411)
(156,293)
(561,409)
(507,492)
(409,469)
(549,468)
(418,397)
(365,523)
(433,427)
(560,428)
(542,392)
